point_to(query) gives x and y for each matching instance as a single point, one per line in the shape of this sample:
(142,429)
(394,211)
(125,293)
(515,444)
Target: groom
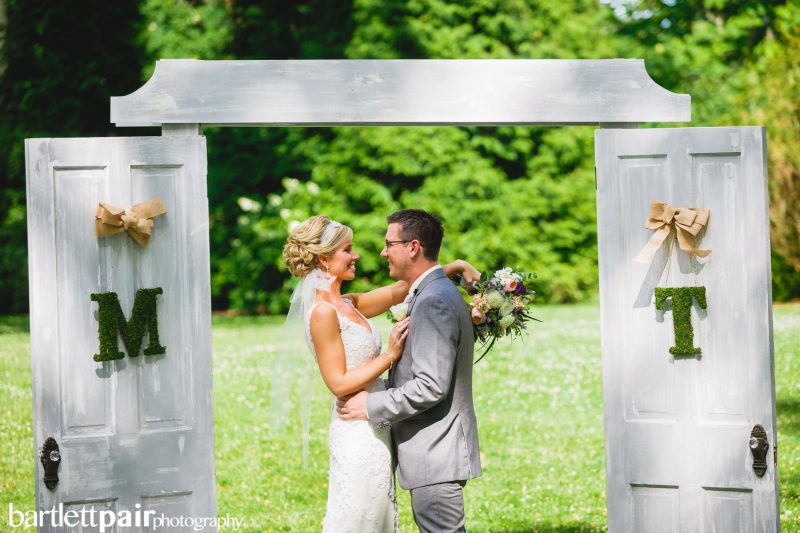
(429,402)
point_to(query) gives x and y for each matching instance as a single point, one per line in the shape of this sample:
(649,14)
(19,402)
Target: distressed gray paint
(677,428)
(413,91)
(134,430)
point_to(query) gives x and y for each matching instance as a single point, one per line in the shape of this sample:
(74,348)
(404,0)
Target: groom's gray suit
(429,405)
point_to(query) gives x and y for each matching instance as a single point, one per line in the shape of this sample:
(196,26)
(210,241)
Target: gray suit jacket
(429,402)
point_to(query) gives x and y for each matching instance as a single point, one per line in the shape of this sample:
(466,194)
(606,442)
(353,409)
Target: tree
(253,162)
(773,87)
(739,61)
(57,82)
(508,196)
(2,35)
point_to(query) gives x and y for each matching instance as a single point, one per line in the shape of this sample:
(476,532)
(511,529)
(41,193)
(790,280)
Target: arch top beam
(399,92)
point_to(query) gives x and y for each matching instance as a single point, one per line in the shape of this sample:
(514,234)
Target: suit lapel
(436,274)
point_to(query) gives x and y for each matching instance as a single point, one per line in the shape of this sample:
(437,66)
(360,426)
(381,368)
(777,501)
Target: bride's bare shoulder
(323,314)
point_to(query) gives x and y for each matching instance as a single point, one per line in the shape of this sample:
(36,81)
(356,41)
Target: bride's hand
(469,274)
(397,339)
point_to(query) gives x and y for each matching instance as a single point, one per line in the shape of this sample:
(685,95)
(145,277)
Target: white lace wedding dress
(361,491)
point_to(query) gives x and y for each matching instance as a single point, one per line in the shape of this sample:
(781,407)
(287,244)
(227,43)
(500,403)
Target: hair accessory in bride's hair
(330,230)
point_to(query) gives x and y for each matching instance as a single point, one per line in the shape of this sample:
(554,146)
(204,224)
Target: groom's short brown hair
(416,224)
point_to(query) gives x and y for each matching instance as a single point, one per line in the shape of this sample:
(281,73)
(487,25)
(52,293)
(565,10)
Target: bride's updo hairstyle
(313,238)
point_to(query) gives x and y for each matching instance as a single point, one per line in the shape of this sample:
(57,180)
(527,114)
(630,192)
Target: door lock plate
(759,446)
(51,458)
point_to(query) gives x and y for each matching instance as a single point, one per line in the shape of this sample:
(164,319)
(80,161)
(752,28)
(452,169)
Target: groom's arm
(434,338)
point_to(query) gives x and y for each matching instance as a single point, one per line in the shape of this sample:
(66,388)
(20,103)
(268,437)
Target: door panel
(678,428)
(137,430)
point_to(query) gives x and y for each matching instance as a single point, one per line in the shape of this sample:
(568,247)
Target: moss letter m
(143,317)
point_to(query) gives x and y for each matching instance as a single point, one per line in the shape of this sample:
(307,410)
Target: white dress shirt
(415,285)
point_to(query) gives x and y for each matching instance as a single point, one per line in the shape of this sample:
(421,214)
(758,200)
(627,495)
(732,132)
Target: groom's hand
(353,407)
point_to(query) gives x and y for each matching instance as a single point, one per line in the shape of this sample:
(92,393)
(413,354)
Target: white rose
(506,321)
(399,311)
(495,299)
(502,273)
(506,309)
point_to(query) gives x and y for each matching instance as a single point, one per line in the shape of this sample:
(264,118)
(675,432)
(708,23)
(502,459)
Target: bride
(347,348)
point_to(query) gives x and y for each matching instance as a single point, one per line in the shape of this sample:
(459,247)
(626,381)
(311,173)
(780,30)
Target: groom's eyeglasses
(390,243)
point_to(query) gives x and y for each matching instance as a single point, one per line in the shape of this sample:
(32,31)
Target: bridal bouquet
(500,305)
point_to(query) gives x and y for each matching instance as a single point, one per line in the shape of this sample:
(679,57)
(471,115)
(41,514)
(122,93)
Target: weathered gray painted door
(678,428)
(137,430)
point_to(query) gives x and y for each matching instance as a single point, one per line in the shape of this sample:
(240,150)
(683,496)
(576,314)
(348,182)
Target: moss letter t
(682,315)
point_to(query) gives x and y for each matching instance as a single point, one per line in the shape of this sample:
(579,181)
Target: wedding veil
(295,372)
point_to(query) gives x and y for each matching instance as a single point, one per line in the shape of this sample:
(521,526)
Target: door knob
(759,445)
(51,458)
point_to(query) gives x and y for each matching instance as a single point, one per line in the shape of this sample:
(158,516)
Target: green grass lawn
(539,408)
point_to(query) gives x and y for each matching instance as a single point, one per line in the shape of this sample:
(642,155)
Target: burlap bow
(110,220)
(688,221)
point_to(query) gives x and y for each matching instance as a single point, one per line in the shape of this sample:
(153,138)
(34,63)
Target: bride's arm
(378,301)
(464,269)
(331,355)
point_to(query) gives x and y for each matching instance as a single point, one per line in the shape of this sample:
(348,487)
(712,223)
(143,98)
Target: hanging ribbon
(688,221)
(138,222)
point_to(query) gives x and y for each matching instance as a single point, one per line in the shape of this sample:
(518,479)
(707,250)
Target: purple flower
(520,288)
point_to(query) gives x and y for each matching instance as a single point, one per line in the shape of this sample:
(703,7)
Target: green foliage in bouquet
(499,307)
(112,319)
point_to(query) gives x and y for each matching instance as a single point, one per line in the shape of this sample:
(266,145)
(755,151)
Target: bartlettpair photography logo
(108,519)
